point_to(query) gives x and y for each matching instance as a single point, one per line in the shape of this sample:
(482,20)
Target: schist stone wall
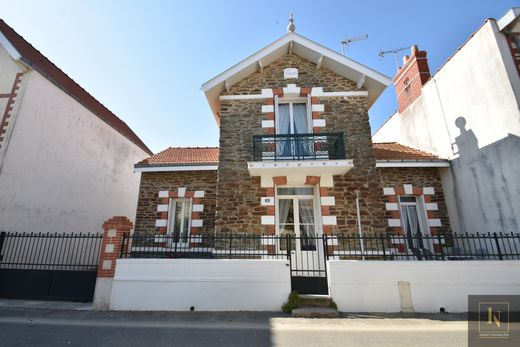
(238,194)
(158,187)
(418,181)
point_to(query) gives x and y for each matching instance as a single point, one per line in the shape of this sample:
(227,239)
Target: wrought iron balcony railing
(324,146)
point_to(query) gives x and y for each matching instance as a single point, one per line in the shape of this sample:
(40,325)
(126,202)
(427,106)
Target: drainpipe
(361,242)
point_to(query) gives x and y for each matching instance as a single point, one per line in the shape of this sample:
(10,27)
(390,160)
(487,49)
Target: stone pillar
(113,231)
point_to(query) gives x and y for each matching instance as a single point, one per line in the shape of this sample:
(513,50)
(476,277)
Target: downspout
(361,241)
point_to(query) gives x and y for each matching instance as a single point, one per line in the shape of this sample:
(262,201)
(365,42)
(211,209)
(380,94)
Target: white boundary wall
(205,284)
(372,286)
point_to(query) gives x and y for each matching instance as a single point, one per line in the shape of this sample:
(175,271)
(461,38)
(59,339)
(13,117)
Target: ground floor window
(413,220)
(180,219)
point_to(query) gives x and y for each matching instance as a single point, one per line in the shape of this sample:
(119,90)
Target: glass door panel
(307,225)
(286,224)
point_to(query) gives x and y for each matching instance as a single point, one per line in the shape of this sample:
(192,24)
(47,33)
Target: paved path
(66,327)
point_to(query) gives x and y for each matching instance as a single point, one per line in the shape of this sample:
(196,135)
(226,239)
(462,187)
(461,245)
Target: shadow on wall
(486,182)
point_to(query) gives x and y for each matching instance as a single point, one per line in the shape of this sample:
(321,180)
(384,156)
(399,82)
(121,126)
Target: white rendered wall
(372,286)
(207,285)
(479,84)
(65,170)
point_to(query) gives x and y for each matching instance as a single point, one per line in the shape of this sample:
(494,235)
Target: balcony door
(293,119)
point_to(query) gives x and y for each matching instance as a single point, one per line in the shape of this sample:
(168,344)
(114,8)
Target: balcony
(316,154)
(326,146)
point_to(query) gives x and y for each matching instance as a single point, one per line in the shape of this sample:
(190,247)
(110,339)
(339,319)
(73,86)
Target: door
(296,223)
(292,121)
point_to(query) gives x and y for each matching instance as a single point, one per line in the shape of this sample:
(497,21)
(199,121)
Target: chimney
(411,77)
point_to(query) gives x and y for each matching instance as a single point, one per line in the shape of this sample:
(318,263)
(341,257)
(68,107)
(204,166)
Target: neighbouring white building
(66,161)
(468,112)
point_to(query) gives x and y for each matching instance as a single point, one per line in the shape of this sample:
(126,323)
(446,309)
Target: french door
(179,223)
(292,118)
(413,221)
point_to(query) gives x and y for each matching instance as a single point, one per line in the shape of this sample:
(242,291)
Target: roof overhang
(373,81)
(510,20)
(412,163)
(170,168)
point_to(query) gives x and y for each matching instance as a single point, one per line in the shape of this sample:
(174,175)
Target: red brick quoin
(113,231)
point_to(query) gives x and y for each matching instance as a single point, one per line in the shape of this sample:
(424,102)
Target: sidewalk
(35,325)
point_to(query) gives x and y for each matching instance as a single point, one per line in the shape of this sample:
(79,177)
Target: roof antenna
(348,40)
(291,27)
(394,52)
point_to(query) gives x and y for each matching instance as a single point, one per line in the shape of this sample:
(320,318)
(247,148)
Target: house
(66,161)
(468,113)
(294,137)
(296,197)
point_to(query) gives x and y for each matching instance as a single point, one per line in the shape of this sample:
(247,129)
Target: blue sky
(146,60)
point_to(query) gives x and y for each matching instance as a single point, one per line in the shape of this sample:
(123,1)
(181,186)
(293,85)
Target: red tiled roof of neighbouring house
(37,61)
(183,156)
(396,151)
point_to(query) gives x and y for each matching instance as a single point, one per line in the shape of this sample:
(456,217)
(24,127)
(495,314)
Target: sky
(146,60)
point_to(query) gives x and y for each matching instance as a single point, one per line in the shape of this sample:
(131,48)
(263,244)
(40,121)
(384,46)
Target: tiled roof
(396,151)
(33,58)
(183,156)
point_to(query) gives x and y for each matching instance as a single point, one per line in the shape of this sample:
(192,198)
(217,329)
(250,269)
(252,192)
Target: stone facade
(423,181)
(154,182)
(233,199)
(238,195)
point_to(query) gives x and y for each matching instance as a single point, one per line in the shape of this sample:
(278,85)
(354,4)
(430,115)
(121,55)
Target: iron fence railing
(50,251)
(323,146)
(497,246)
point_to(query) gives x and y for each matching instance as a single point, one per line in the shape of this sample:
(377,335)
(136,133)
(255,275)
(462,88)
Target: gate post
(113,231)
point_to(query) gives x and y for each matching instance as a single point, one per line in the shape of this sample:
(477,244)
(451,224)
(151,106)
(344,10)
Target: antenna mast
(348,40)
(394,52)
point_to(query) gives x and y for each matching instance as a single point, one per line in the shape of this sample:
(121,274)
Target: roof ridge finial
(291,27)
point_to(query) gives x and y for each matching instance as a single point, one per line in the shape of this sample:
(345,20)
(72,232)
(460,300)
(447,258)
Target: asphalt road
(49,327)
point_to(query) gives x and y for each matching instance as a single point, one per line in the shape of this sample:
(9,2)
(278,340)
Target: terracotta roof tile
(396,151)
(178,156)
(36,60)
(183,156)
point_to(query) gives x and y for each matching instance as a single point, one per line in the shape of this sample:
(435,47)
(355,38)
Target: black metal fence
(325,146)
(490,246)
(50,251)
(497,246)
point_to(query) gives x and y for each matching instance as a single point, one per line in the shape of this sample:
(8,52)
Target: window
(180,219)
(293,116)
(413,220)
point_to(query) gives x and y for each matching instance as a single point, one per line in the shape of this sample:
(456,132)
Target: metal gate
(49,266)
(308,264)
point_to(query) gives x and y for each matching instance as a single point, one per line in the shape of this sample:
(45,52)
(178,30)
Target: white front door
(296,216)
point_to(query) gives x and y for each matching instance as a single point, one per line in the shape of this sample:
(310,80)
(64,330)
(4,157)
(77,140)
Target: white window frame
(421,212)
(317,205)
(171,217)
(291,101)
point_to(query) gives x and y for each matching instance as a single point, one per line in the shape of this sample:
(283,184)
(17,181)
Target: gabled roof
(182,156)
(22,50)
(375,82)
(396,151)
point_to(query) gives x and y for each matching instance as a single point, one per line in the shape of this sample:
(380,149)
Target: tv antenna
(394,52)
(348,40)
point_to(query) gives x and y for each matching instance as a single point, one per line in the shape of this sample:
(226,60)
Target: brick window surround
(163,208)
